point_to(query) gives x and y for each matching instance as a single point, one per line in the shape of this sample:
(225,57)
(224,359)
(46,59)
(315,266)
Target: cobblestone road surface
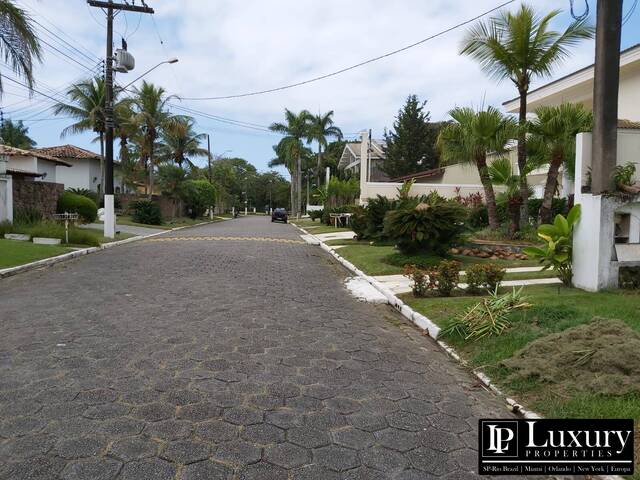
(222,354)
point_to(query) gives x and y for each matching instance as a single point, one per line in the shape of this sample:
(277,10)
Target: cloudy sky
(228,47)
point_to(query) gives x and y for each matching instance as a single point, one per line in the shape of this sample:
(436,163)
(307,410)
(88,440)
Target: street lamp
(172,60)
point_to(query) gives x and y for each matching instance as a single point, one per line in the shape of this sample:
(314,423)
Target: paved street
(224,351)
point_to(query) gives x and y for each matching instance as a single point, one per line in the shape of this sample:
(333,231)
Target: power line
(629,14)
(352,67)
(91,58)
(228,121)
(583,15)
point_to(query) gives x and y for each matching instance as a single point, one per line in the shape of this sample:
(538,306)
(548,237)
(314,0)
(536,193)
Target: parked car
(279,214)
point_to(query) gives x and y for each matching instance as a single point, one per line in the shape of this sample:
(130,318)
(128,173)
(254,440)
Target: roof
(434,172)
(68,151)
(628,124)
(627,56)
(17,171)
(19,152)
(351,153)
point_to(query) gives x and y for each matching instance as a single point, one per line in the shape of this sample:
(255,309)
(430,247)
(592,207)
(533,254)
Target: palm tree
(86,105)
(520,47)
(18,42)
(179,141)
(553,142)
(296,128)
(470,138)
(150,114)
(16,135)
(126,127)
(322,128)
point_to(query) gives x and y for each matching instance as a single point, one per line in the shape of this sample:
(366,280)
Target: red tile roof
(68,151)
(19,152)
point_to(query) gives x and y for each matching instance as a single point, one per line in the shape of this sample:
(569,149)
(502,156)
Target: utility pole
(209,157)
(605,95)
(110,7)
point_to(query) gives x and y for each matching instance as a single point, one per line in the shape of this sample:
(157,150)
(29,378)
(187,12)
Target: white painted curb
(45,262)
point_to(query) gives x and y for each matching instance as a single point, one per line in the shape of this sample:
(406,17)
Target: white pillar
(109,217)
(583,162)
(364,165)
(328,176)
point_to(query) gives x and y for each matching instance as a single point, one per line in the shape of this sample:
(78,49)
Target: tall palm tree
(470,138)
(502,174)
(295,129)
(150,113)
(553,142)
(322,128)
(180,141)
(125,126)
(19,45)
(86,105)
(521,47)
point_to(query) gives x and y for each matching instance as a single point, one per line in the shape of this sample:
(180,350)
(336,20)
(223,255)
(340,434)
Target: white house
(350,160)
(85,167)
(33,164)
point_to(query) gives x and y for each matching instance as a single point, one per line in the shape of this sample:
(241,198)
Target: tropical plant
(490,317)
(493,276)
(471,138)
(429,224)
(474,277)
(149,105)
(180,141)
(296,129)
(19,45)
(501,173)
(521,46)
(73,203)
(145,211)
(557,253)
(342,192)
(16,135)
(171,179)
(623,175)
(375,212)
(320,130)
(447,277)
(411,146)
(422,280)
(553,141)
(198,195)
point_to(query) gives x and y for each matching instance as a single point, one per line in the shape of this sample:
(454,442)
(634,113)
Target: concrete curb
(46,262)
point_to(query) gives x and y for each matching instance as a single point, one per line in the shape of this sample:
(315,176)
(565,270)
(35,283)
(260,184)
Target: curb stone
(46,262)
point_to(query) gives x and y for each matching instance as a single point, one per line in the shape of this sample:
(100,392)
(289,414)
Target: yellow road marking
(237,239)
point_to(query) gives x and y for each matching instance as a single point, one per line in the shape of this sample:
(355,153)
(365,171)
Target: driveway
(230,350)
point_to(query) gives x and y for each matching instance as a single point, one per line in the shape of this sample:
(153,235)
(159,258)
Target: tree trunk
(489,194)
(150,173)
(101,192)
(292,192)
(299,186)
(522,160)
(550,188)
(319,168)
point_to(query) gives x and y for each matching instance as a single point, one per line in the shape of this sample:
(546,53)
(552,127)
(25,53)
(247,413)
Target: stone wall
(41,196)
(167,206)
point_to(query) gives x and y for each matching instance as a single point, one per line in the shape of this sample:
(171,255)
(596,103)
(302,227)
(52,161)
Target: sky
(228,47)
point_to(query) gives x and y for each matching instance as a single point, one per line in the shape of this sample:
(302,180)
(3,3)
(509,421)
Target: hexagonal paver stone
(134,448)
(18,426)
(381,458)
(367,422)
(413,475)
(91,469)
(265,402)
(154,412)
(263,471)
(417,406)
(38,468)
(314,472)
(444,441)
(154,468)
(336,458)
(449,424)
(287,455)
(206,470)
(324,420)
(343,405)
(182,397)
(198,412)
(407,421)
(353,438)
(284,418)
(80,447)
(106,410)
(366,473)
(122,426)
(237,452)
(430,461)
(95,396)
(283,390)
(26,447)
(400,440)
(308,437)
(321,392)
(263,434)
(217,431)
(169,429)
(243,416)
(185,452)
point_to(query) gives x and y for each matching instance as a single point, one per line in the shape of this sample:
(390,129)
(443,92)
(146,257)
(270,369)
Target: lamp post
(167,62)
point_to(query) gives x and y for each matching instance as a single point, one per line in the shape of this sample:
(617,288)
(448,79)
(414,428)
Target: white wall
(77,176)
(6,198)
(49,169)
(26,164)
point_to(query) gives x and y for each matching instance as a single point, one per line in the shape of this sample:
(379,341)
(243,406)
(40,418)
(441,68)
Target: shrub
(493,276)
(422,280)
(430,224)
(77,236)
(6,227)
(376,210)
(315,215)
(146,212)
(198,195)
(27,216)
(447,277)
(557,252)
(478,217)
(558,206)
(74,203)
(85,192)
(358,222)
(475,277)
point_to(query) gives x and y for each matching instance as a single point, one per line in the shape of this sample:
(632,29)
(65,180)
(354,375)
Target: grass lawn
(14,252)
(555,309)
(317,226)
(386,260)
(101,239)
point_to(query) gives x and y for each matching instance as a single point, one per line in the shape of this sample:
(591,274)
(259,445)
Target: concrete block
(47,241)
(17,236)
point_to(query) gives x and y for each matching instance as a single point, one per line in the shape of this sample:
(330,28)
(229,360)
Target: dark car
(279,214)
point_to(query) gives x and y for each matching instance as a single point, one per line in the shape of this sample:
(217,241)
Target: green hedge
(146,212)
(83,206)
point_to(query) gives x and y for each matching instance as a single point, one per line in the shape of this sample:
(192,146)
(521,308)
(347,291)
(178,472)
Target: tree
(471,138)
(521,47)
(179,141)
(86,102)
(410,147)
(125,127)
(16,135)
(150,113)
(502,174)
(297,127)
(19,45)
(321,129)
(553,142)
(171,179)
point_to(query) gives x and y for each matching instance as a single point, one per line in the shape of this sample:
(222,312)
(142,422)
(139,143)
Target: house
(350,160)
(32,165)
(85,167)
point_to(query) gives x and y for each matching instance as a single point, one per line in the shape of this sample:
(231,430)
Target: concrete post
(364,165)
